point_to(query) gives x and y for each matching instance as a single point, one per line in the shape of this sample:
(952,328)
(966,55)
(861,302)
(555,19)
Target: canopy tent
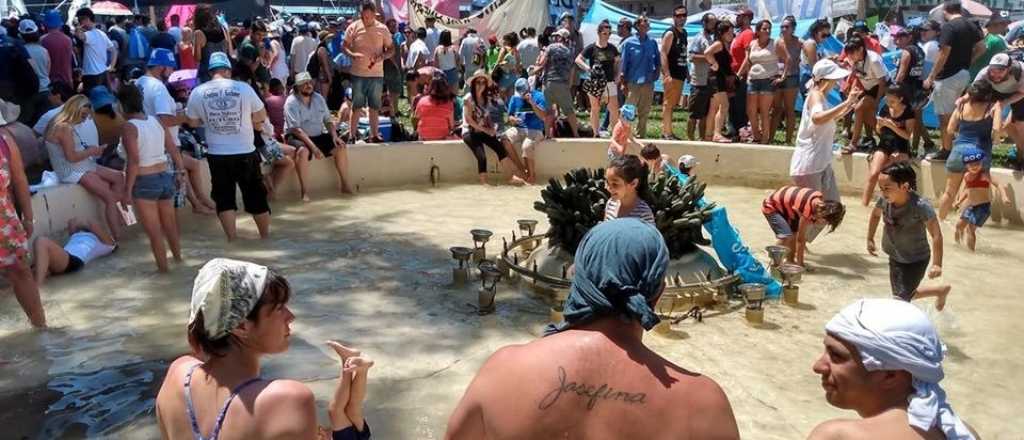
(498,18)
(11,7)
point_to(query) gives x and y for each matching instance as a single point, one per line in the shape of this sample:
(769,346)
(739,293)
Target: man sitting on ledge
(592,377)
(883,359)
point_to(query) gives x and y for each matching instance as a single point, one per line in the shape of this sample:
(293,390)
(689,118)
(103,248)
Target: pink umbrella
(970,7)
(110,8)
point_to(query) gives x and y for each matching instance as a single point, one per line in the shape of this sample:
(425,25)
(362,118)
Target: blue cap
(52,19)
(972,155)
(522,85)
(162,57)
(628,112)
(219,60)
(100,96)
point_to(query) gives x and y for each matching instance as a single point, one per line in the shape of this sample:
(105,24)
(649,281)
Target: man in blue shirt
(641,66)
(527,112)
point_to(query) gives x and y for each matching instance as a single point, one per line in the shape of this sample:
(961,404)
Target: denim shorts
(761,86)
(790,82)
(782,228)
(366,92)
(955,161)
(156,186)
(977,215)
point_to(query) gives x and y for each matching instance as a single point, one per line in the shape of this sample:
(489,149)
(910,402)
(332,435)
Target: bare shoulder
(837,429)
(180,363)
(286,393)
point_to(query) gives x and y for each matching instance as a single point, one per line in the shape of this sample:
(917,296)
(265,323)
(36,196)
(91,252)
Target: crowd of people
(113,116)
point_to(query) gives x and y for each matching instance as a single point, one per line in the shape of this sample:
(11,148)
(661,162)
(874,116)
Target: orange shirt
(370,42)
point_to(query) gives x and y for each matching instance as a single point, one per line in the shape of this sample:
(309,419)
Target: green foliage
(578,205)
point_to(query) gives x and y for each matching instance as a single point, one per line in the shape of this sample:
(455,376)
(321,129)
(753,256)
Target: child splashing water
(977,196)
(793,208)
(622,134)
(894,127)
(907,215)
(626,178)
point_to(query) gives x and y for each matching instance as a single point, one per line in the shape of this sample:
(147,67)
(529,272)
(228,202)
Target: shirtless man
(593,377)
(891,381)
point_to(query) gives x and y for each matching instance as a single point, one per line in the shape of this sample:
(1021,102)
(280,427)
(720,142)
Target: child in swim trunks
(908,218)
(622,134)
(976,195)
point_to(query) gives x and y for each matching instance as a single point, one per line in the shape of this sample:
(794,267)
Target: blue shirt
(334,46)
(518,107)
(641,61)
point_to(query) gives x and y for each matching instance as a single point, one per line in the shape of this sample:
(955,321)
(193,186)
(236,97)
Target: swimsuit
(223,411)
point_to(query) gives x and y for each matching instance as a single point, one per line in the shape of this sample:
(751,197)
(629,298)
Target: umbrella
(971,8)
(110,8)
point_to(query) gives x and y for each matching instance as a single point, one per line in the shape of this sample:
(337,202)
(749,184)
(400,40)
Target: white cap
(27,26)
(564,33)
(1000,60)
(826,69)
(688,161)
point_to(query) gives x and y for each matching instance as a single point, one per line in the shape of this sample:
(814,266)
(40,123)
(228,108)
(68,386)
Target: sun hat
(480,73)
(219,60)
(972,154)
(1000,60)
(27,26)
(302,78)
(162,57)
(522,85)
(688,161)
(628,112)
(52,19)
(826,69)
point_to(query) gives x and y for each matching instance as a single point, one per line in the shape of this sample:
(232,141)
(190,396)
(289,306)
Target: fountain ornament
(776,255)
(480,238)
(526,229)
(489,277)
(791,274)
(754,294)
(460,273)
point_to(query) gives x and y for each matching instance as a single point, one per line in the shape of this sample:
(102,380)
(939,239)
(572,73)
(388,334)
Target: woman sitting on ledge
(74,161)
(239,313)
(435,112)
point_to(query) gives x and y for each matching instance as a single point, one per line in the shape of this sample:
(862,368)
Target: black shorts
(872,92)
(243,171)
(323,141)
(75,264)
(905,277)
(700,101)
(892,146)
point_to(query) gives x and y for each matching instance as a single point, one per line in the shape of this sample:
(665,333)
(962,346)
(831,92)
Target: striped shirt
(791,202)
(641,211)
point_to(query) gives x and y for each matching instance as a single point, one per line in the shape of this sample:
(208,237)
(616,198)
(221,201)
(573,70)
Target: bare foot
(346,190)
(202,210)
(517,181)
(358,364)
(177,259)
(958,235)
(940,299)
(343,352)
(306,199)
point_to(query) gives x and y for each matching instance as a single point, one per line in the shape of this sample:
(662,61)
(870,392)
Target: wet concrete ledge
(401,164)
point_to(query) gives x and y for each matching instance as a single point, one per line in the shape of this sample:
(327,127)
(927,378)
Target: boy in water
(977,195)
(907,216)
(657,163)
(794,209)
(688,165)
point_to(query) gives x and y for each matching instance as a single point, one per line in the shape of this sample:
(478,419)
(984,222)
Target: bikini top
(972,180)
(196,435)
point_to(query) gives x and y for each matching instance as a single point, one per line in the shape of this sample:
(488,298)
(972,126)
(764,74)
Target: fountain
(480,238)
(526,229)
(776,255)
(460,273)
(791,274)
(754,294)
(489,277)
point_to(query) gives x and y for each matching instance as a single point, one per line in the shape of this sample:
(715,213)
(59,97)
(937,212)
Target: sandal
(722,140)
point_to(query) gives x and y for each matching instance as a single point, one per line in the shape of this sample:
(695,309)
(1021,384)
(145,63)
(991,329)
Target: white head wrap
(226,291)
(895,335)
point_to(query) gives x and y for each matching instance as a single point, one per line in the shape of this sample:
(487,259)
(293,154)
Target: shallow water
(374,270)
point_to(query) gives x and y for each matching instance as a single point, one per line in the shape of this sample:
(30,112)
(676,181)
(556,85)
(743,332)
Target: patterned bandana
(226,291)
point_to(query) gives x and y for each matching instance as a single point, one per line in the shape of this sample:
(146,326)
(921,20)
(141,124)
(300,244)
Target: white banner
(498,18)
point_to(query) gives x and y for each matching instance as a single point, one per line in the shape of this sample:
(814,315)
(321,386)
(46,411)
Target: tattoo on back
(590,393)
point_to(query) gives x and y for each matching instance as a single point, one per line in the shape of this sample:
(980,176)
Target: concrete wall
(391,165)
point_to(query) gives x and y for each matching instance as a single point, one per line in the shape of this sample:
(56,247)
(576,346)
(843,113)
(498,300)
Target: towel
(895,335)
(620,266)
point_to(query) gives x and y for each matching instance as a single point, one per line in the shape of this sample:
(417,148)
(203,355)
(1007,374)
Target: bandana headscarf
(895,335)
(226,291)
(620,266)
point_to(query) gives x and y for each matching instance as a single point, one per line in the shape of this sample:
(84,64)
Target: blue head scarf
(620,266)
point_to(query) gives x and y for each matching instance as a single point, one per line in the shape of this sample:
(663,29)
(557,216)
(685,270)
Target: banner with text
(558,7)
(498,18)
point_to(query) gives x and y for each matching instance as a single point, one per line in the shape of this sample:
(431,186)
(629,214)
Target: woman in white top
(88,241)
(148,182)
(761,67)
(446,58)
(811,165)
(871,75)
(277,59)
(74,161)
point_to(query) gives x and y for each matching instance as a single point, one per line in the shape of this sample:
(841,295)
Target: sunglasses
(680,15)
(785,26)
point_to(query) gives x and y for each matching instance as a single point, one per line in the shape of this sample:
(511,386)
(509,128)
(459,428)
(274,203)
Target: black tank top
(724,60)
(916,62)
(677,67)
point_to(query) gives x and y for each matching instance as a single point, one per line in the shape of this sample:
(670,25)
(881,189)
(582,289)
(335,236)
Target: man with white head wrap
(883,359)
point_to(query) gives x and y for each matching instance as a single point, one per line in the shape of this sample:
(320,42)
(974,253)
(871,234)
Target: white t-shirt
(433,39)
(156,101)
(87,131)
(813,153)
(871,71)
(302,47)
(279,69)
(529,51)
(94,55)
(418,48)
(225,106)
(40,64)
(86,246)
(467,50)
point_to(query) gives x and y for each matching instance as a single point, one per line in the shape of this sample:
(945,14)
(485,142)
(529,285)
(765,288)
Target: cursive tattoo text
(590,393)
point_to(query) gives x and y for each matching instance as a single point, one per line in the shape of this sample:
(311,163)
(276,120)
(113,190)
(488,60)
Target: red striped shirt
(792,202)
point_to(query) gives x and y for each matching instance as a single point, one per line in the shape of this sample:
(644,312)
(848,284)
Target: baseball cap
(860,26)
(162,57)
(100,97)
(744,10)
(998,17)
(522,85)
(628,112)
(219,60)
(971,155)
(564,33)
(52,19)
(27,26)
(1000,60)
(828,69)
(302,78)
(688,161)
